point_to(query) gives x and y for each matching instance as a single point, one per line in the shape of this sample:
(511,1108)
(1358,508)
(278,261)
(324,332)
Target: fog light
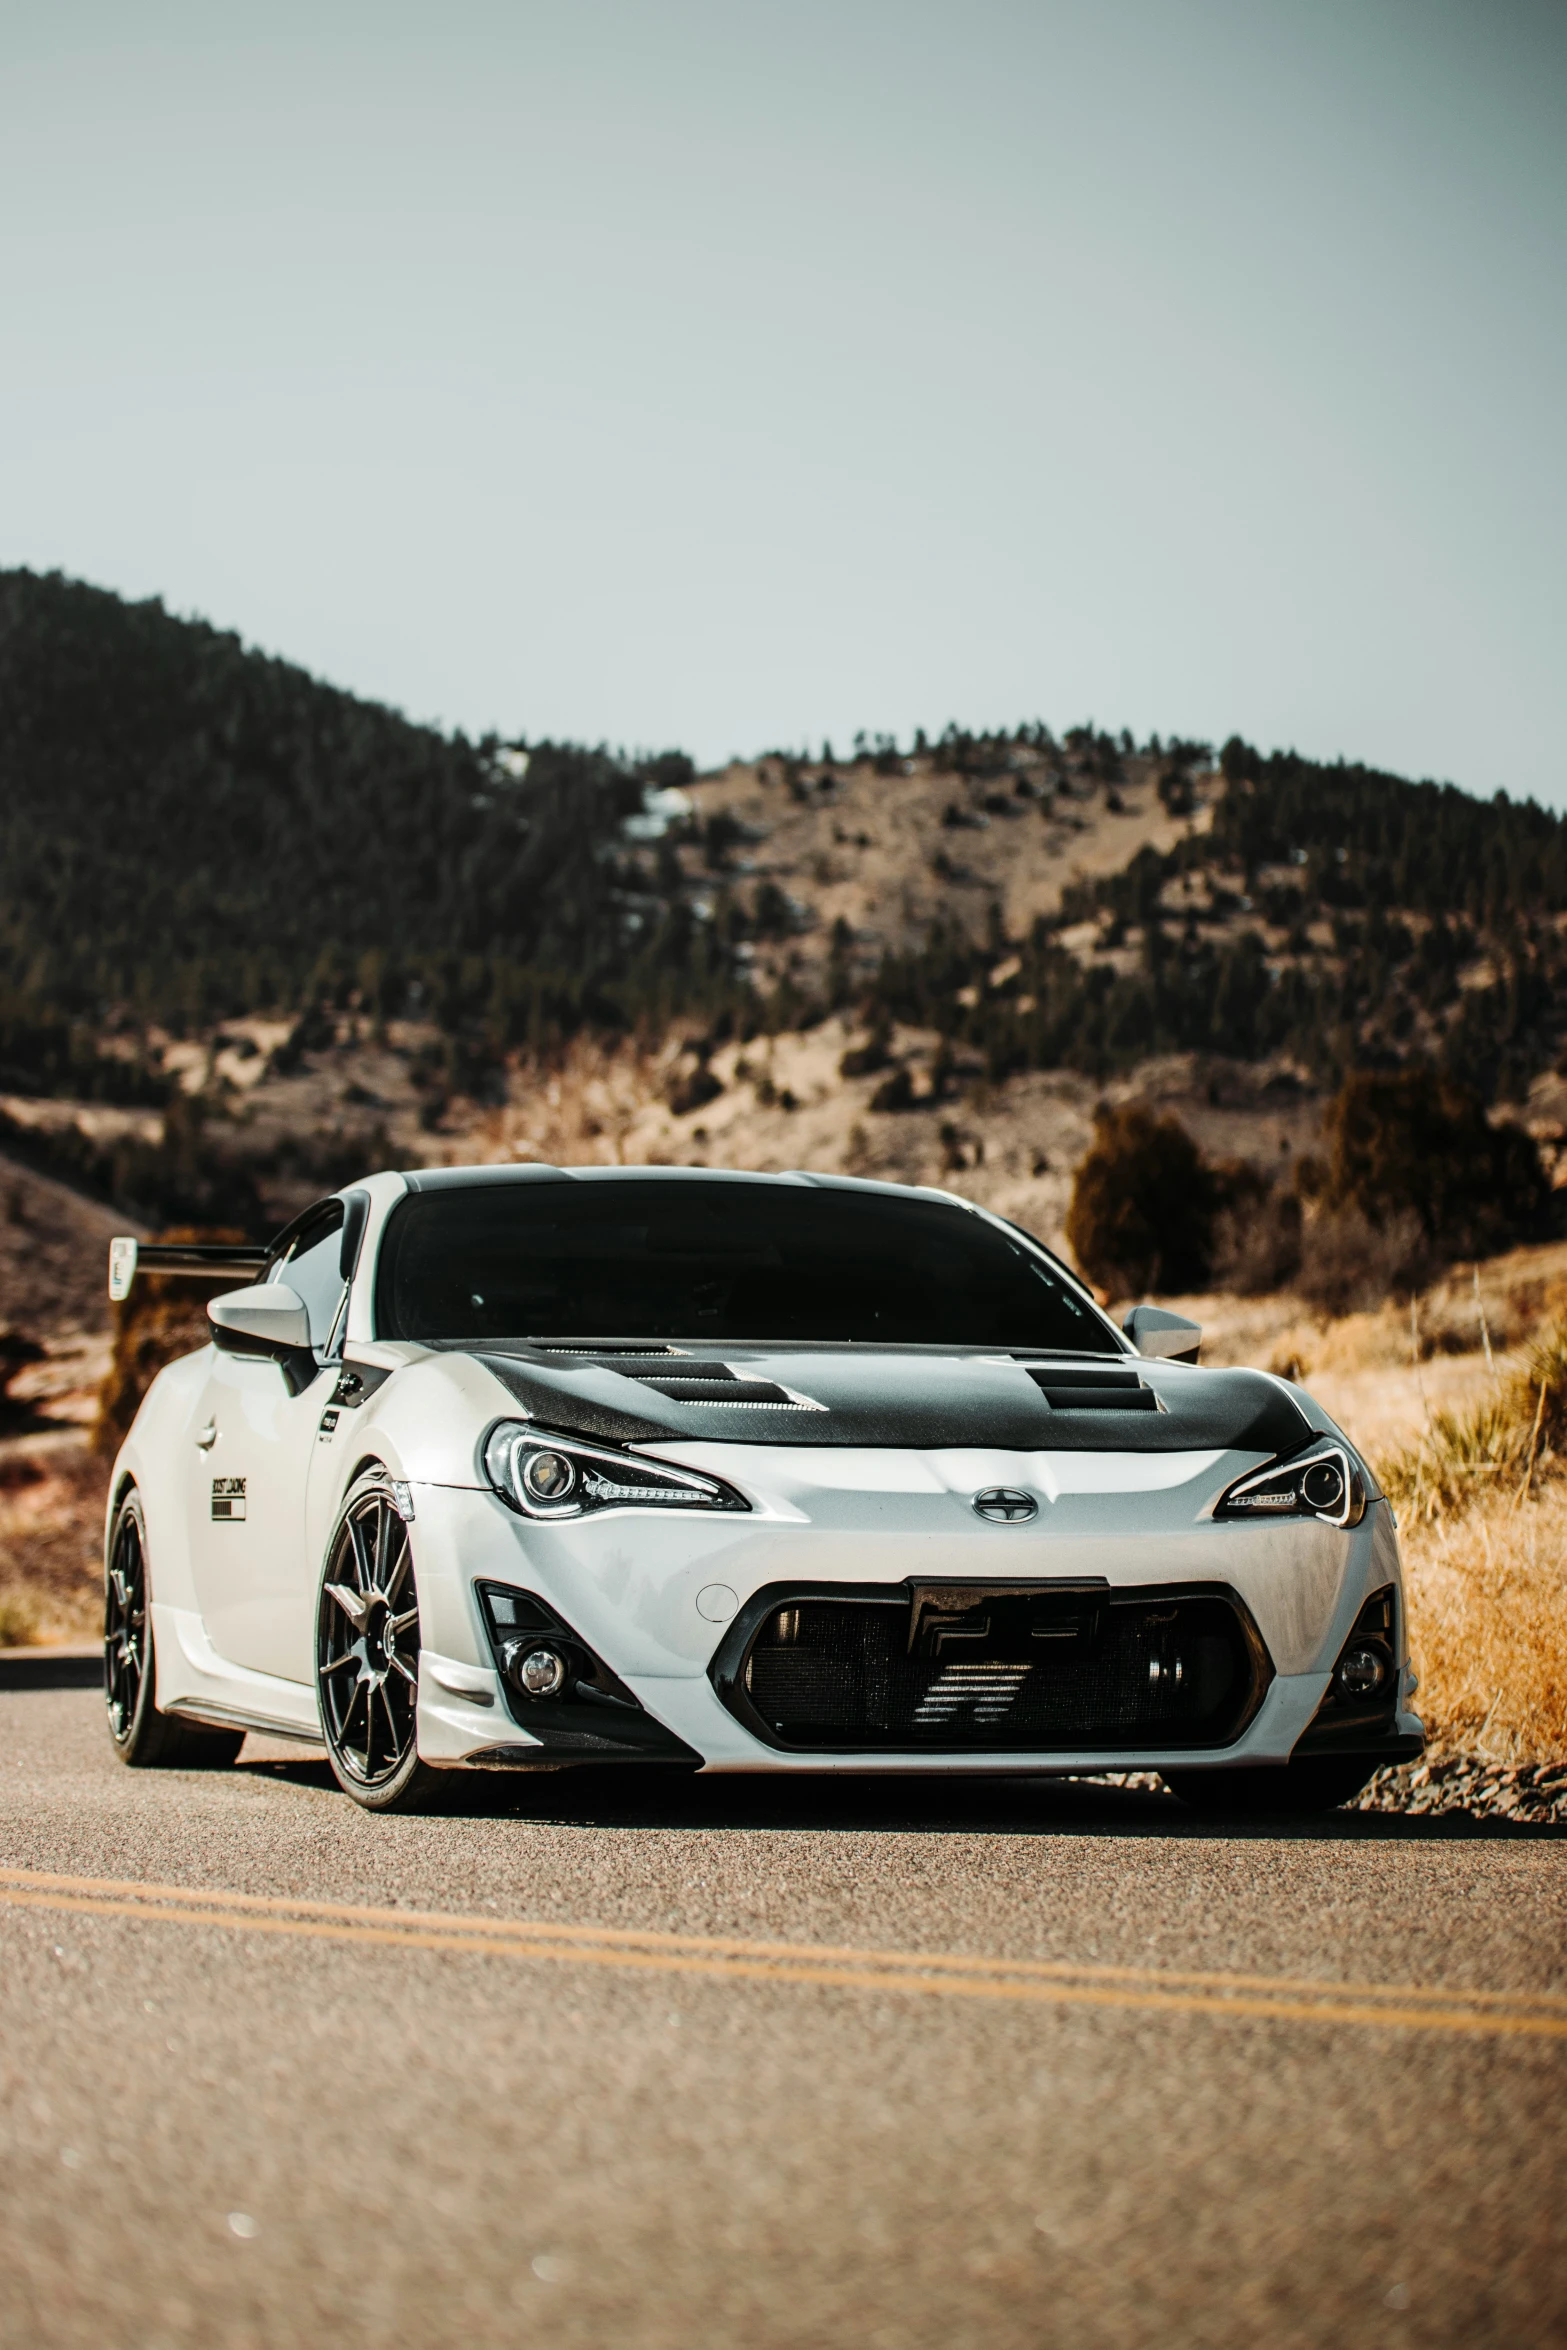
(549,1476)
(541,1673)
(1362,1672)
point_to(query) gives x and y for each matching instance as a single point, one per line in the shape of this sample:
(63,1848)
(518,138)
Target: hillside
(256,933)
(1087,905)
(190,830)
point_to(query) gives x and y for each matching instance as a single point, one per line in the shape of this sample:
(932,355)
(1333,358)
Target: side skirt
(232,1717)
(200,1685)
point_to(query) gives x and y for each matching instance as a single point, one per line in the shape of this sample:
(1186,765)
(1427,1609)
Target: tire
(142,1736)
(367,1654)
(1297,1791)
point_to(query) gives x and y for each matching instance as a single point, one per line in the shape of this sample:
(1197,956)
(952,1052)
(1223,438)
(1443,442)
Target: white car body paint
(234,1601)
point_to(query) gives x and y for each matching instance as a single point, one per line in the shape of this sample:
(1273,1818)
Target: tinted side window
(311,1270)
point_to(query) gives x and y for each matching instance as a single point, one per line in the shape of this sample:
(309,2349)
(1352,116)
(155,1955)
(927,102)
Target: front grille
(1034,1668)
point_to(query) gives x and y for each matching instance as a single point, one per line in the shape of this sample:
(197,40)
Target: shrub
(19,1619)
(862,1060)
(1256,1232)
(1349,1265)
(18,1353)
(692,1089)
(895,1092)
(1143,1205)
(1412,1142)
(771,912)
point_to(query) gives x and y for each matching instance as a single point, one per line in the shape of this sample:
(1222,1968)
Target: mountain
(1088,904)
(190,830)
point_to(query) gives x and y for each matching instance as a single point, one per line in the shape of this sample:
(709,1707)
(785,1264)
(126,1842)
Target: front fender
(422,1423)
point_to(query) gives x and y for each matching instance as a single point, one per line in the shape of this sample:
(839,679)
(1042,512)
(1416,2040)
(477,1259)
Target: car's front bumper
(652,1596)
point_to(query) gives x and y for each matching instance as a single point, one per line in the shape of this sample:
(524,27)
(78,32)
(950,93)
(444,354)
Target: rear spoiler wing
(207,1260)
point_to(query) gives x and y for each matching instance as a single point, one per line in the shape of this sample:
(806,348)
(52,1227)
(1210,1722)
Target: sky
(666,372)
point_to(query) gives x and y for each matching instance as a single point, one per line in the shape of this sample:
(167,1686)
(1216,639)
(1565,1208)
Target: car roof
(485,1177)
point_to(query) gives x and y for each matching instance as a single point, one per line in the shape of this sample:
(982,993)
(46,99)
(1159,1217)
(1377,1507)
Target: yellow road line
(449,1923)
(1408,2007)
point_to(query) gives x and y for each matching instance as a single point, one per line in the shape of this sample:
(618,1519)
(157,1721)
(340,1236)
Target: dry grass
(1482,1500)
(1495,1453)
(1487,1588)
(1462,1404)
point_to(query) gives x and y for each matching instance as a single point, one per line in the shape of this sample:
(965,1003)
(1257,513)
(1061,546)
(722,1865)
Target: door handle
(208,1437)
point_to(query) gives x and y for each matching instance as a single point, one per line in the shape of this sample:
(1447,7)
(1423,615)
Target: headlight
(548,1476)
(1325,1483)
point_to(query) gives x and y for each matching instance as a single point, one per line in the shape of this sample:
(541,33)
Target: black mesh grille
(1016,1670)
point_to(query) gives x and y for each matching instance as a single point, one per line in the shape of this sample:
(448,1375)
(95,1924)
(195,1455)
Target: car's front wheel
(367,1653)
(1291,1791)
(143,1737)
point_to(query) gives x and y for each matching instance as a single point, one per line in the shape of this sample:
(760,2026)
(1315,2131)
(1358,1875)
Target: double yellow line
(1540,2015)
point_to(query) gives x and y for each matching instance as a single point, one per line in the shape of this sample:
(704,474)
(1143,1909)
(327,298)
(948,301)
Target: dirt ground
(54,1254)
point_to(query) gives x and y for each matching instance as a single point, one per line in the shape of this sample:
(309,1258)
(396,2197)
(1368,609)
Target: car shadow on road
(821,1803)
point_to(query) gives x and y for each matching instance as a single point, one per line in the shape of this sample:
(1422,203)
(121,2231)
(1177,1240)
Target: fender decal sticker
(228,1499)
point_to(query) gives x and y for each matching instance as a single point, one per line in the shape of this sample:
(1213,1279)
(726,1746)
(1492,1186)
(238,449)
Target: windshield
(650,1258)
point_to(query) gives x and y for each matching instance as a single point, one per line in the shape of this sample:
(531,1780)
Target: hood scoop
(1068,1388)
(611,1356)
(717,1383)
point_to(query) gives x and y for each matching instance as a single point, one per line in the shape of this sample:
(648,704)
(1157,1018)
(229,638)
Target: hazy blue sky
(736,375)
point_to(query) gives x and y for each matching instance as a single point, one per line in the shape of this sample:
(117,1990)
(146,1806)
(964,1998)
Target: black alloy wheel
(367,1652)
(143,1737)
(125,1630)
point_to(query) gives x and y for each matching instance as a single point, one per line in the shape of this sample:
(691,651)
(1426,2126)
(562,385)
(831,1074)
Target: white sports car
(505,1468)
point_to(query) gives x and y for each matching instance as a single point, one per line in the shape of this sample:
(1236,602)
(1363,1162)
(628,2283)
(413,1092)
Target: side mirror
(268,1321)
(1163,1336)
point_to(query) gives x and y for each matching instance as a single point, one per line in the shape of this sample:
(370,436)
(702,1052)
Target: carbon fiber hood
(925,1399)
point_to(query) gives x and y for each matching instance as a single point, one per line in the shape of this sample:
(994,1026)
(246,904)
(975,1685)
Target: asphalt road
(1031,2066)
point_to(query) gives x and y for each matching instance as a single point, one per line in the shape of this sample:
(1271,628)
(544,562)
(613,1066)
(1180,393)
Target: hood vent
(1068,1389)
(613,1356)
(729,1392)
(716,1383)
